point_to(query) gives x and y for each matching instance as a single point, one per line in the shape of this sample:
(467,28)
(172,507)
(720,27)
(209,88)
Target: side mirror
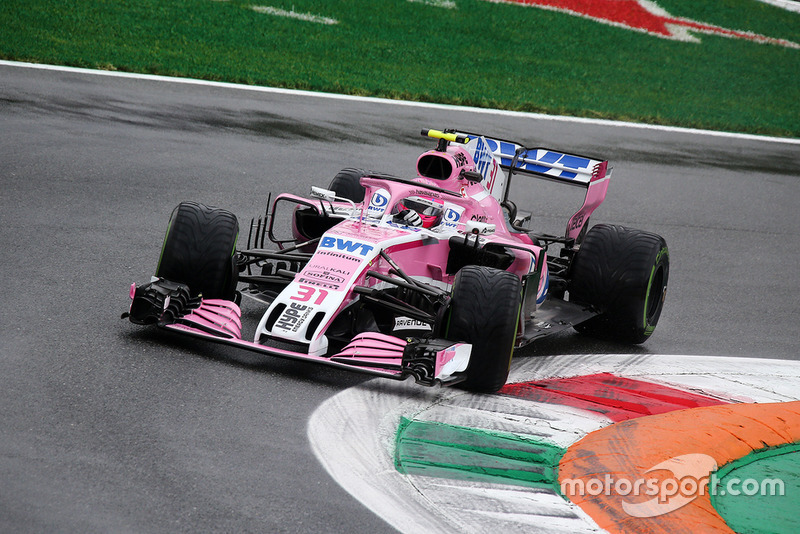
(472,176)
(324,194)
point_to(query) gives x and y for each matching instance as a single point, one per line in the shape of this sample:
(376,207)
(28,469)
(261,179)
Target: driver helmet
(429,209)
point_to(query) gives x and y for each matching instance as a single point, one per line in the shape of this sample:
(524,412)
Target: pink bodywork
(304,310)
(350,249)
(347,251)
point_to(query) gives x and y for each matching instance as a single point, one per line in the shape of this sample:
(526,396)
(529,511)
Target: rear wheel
(623,273)
(484,311)
(347,184)
(199,250)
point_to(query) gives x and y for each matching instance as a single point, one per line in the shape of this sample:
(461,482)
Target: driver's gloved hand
(409,218)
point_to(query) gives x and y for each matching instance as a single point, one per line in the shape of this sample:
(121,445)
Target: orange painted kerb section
(630,448)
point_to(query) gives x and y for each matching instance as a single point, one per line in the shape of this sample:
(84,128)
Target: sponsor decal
(345,245)
(407,323)
(378,204)
(293,317)
(319,283)
(536,160)
(337,255)
(576,222)
(336,270)
(485,163)
(425,193)
(305,294)
(452,216)
(645,16)
(460,159)
(322,276)
(327,276)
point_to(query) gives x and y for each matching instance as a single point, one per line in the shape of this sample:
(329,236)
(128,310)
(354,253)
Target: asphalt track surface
(107,427)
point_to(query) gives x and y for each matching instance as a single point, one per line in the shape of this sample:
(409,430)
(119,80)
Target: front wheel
(622,273)
(484,311)
(199,250)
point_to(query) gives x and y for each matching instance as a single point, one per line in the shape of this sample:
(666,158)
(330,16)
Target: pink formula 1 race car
(436,277)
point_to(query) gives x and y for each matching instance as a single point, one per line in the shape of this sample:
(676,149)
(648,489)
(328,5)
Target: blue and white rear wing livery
(574,169)
(542,162)
(499,160)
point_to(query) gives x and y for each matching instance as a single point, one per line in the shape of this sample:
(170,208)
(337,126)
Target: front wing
(428,361)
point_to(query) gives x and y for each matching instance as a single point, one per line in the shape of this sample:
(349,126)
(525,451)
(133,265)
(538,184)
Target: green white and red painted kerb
(645,16)
(639,15)
(573,444)
(603,472)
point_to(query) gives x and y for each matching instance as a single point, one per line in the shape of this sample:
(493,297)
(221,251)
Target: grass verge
(479,53)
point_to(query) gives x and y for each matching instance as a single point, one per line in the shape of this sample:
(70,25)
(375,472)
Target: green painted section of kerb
(761,507)
(456,452)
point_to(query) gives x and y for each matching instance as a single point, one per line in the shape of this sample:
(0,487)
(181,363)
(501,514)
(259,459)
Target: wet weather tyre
(347,184)
(484,311)
(622,273)
(199,250)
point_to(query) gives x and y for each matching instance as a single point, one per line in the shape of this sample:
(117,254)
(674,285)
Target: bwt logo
(452,215)
(346,245)
(378,203)
(379,200)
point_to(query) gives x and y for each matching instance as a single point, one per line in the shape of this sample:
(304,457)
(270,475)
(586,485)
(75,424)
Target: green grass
(480,54)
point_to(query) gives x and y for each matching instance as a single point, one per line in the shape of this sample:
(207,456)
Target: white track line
(425,105)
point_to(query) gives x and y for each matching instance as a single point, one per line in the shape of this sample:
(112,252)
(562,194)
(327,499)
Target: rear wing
(544,163)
